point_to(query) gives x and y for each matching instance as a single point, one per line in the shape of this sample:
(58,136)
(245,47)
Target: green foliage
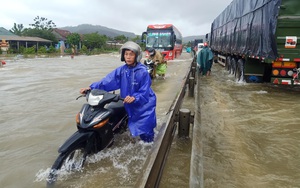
(45,34)
(121,38)
(137,39)
(68,51)
(22,49)
(84,50)
(17,29)
(93,43)
(51,49)
(42,50)
(12,51)
(189,44)
(96,51)
(73,39)
(30,50)
(94,40)
(42,23)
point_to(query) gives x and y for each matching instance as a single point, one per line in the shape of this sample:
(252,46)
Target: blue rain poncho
(204,59)
(133,81)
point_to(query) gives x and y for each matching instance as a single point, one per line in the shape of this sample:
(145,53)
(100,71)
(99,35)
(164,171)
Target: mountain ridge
(89,28)
(110,32)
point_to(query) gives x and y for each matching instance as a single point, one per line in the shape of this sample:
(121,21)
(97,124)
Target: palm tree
(17,29)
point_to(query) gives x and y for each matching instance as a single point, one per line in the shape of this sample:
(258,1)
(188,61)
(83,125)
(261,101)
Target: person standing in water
(204,60)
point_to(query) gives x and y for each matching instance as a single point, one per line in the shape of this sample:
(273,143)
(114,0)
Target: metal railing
(154,164)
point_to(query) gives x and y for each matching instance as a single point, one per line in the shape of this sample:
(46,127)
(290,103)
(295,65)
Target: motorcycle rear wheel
(71,160)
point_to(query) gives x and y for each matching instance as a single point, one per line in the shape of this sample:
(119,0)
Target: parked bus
(165,38)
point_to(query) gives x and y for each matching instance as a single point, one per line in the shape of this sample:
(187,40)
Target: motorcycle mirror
(80,96)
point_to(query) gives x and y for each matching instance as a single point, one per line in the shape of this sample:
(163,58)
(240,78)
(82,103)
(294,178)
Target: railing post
(184,123)
(191,86)
(193,71)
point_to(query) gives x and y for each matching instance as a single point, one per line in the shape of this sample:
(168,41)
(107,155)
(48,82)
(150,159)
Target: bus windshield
(159,39)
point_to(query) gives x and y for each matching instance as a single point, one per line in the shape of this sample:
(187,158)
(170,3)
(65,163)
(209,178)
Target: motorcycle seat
(115,105)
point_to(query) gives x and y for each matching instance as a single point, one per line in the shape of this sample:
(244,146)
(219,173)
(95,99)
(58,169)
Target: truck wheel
(233,66)
(240,70)
(227,64)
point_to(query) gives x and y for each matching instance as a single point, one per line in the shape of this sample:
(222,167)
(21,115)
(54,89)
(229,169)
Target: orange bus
(165,38)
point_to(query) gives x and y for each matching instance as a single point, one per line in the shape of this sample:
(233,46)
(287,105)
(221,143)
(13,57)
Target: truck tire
(228,63)
(240,70)
(233,65)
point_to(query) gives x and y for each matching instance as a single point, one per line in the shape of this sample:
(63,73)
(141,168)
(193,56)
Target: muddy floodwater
(37,114)
(248,134)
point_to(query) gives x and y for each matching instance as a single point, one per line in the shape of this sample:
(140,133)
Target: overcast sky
(191,17)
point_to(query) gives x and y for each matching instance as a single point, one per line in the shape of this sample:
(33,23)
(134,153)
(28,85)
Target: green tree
(41,28)
(94,40)
(17,29)
(42,23)
(137,39)
(84,50)
(45,34)
(73,39)
(121,38)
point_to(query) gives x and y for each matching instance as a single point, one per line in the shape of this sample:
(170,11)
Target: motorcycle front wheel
(71,160)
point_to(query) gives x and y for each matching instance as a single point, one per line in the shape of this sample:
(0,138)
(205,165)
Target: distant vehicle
(200,47)
(194,45)
(257,42)
(165,38)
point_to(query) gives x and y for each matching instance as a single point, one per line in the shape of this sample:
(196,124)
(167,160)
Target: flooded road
(250,133)
(38,109)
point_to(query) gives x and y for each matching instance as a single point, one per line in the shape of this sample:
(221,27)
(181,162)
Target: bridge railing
(154,164)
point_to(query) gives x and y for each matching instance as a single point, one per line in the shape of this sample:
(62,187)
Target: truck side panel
(247,28)
(257,40)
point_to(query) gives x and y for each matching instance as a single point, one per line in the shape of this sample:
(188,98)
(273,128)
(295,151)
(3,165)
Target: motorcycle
(150,67)
(98,121)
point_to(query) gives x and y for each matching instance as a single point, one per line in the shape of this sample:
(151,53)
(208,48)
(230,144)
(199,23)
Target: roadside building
(15,42)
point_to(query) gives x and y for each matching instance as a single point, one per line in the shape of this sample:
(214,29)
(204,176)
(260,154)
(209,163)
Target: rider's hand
(129,99)
(83,90)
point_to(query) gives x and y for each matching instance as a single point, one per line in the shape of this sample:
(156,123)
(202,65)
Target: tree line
(92,43)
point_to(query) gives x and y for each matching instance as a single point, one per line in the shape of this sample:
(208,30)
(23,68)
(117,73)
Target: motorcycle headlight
(93,100)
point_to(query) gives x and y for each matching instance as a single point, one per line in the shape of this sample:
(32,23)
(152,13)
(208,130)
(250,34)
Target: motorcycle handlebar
(86,92)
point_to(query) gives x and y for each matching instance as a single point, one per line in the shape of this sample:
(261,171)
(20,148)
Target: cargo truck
(257,40)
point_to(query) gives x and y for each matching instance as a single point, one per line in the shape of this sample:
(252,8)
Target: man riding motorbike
(135,87)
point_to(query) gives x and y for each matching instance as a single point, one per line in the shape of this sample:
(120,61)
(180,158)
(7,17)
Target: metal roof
(9,36)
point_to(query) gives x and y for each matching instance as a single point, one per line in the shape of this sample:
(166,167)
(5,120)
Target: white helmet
(133,47)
